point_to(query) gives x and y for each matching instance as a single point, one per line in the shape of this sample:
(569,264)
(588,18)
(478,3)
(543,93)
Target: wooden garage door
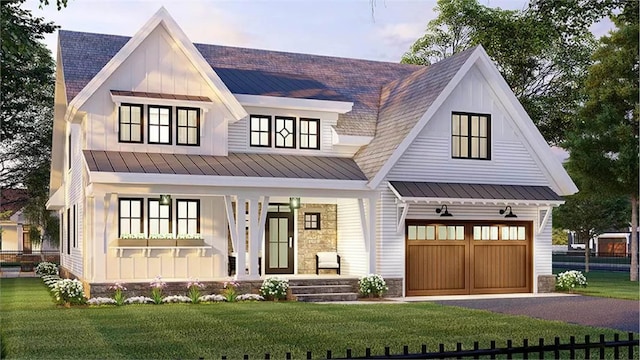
(457,258)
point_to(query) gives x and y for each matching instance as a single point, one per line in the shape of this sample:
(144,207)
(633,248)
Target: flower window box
(132,242)
(162,242)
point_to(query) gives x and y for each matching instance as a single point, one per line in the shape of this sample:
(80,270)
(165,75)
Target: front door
(279,243)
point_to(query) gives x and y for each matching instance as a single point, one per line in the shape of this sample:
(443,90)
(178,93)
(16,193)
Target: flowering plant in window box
(164,239)
(133,236)
(190,240)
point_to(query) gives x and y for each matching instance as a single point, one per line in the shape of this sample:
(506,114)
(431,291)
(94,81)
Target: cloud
(398,37)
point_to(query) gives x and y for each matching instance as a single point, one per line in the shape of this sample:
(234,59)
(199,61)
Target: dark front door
(279,243)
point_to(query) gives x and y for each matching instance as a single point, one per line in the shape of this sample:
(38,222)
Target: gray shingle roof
(474,191)
(310,76)
(236,164)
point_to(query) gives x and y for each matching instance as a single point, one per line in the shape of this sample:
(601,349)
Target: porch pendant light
(294,203)
(165,199)
(445,213)
(510,214)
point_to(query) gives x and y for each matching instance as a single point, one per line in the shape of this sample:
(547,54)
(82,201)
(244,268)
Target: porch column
(254,240)
(372,206)
(20,236)
(241,246)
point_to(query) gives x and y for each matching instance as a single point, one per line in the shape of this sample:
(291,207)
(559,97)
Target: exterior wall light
(165,199)
(294,203)
(510,214)
(445,213)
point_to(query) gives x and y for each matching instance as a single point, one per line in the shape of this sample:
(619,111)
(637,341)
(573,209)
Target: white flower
(46,268)
(275,287)
(68,290)
(212,298)
(138,300)
(161,236)
(570,279)
(189,236)
(372,284)
(101,301)
(250,297)
(133,236)
(176,299)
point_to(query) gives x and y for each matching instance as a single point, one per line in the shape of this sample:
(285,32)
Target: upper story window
(159,217)
(130,121)
(188,126)
(159,125)
(470,136)
(260,130)
(130,216)
(309,133)
(285,132)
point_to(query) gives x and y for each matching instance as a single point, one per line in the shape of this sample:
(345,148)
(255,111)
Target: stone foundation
(546,283)
(172,288)
(395,287)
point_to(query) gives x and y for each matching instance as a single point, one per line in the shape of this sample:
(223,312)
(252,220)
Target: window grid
(309,133)
(285,132)
(130,123)
(159,217)
(312,221)
(188,216)
(159,119)
(75,226)
(129,216)
(68,231)
(188,126)
(260,131)
(470,136)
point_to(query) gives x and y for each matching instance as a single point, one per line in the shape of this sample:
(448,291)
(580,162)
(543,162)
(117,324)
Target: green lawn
(33,327)
(611,284)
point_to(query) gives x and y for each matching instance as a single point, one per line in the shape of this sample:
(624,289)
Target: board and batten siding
(428,158)
(74,196)
(239,133)
(351,247)
(156,66)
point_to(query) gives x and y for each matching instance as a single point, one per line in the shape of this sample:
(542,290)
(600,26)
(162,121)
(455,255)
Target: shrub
(372,285)
(68,291)
(274,288)
(46,268)
(570,280)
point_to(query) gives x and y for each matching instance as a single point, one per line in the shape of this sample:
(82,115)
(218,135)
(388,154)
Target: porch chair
(327,260)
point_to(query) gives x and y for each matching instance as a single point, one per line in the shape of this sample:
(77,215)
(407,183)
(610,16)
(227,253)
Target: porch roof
(235,164)
(407,190)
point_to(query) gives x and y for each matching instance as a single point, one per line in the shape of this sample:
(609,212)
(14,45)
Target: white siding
(390,249)
(428,158)
(156,66)
(351,247)
(239,133)
(74,196)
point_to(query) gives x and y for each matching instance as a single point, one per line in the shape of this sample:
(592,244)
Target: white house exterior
(154,135)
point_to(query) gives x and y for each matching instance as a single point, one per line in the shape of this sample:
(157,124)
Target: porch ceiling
(462,192)
(236,164)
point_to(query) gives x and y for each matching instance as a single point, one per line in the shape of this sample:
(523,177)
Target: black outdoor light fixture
(294,203)
(445,213)
(165,199)
(510,214)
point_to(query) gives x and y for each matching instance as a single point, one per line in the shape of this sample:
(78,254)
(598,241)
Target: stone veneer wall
(311,242)
(546,283)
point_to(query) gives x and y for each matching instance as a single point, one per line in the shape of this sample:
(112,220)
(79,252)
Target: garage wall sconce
(445,213)
(510,214)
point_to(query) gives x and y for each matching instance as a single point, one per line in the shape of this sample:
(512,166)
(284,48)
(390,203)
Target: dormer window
(159,125)
(285,132)
(260,130)
(309,133)
(130,121)
(470,136)
(188,125)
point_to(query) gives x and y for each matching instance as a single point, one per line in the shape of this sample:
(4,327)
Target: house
(176,159)
(14,229)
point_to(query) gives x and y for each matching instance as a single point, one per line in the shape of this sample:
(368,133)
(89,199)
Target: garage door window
(417,232)
(450,232)
(485,233)
(513,233)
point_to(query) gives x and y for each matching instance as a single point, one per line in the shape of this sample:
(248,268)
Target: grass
(34,328)
(610,284)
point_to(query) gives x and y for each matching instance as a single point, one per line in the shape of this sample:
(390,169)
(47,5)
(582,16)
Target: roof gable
(123,51)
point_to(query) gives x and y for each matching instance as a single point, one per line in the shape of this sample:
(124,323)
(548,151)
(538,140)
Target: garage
(468,257)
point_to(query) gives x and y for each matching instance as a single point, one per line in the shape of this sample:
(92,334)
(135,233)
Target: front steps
(324,289)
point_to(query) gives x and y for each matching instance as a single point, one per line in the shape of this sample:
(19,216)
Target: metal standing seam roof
(236,164)
(442,190)
(160,96)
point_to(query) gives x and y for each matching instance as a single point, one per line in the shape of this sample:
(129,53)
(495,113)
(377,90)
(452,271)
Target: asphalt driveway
(584,310)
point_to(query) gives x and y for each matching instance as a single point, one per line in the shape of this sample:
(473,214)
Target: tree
(604,144)
(589,215)
(543,60)
(26,107)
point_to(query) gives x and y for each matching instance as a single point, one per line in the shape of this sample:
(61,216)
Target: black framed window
(188,215)
(312,221)
(68,231)
(285,132)
(260,130)
(75,226)
(188,126)
(471,136)
(69,151)
(159,217)
(159,119)
(309,133)
(130,121)
(129,216)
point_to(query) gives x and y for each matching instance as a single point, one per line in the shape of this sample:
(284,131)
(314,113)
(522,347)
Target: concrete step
(327,297)
(321,289)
